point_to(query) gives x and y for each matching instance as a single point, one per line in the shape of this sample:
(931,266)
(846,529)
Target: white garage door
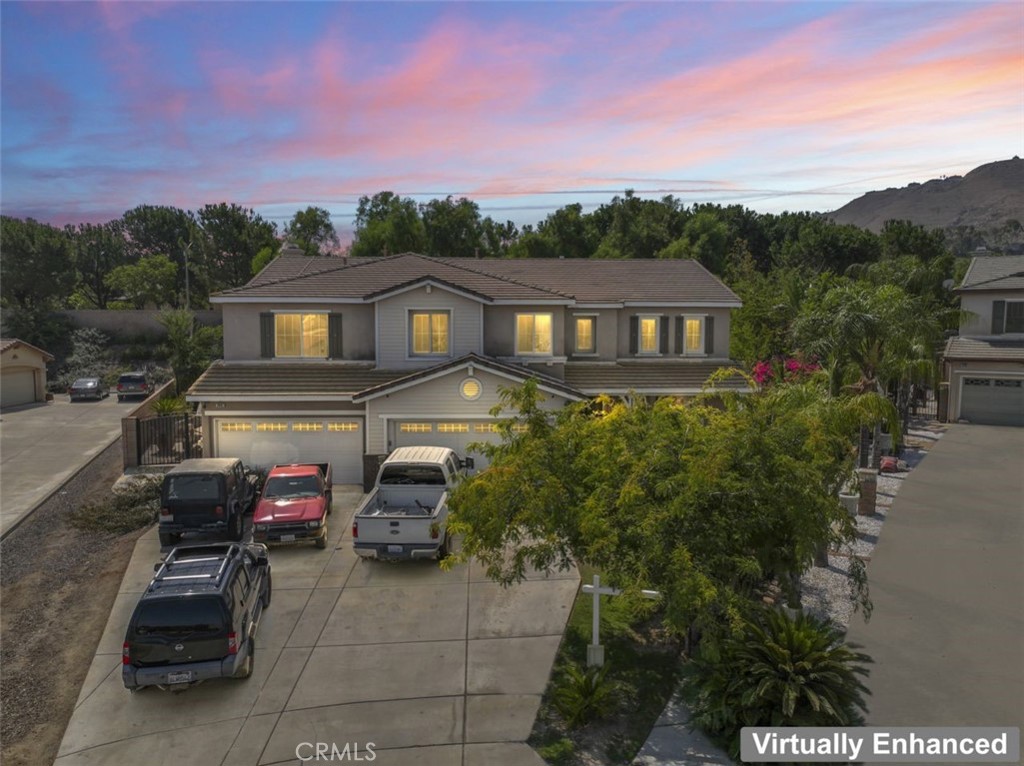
(454,434)
(993,401)
(17,387)
(266,441)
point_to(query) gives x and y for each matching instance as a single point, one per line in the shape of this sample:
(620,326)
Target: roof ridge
(504,278)
(345,263)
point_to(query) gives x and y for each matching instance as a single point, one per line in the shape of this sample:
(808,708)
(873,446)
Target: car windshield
(196,487)
(179,617)
(291,486)
(84,383)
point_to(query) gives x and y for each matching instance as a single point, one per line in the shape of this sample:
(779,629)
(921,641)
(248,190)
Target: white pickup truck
(405,515)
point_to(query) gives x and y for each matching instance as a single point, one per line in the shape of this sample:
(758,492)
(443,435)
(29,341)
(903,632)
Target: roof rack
(163,573)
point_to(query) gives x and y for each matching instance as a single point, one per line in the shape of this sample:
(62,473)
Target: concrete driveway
(435,668)
(947,581)
(41,445)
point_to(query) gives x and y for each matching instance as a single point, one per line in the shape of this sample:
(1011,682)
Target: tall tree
(152,282)
(705,239)
(632,227)
(37,268)
(98,250)
(312,230)
(453,228)
(387,224)
(173,232)
(232,237)
(190,346)
(906,238)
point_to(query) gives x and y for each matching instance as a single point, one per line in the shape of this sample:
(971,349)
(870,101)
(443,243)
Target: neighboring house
(22,373)
(984,366)
(337,359)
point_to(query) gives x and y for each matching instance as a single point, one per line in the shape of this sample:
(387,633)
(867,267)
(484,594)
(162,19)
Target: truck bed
(398,510)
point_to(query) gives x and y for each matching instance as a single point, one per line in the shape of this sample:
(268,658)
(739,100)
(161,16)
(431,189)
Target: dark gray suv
(198,618)
(205,495)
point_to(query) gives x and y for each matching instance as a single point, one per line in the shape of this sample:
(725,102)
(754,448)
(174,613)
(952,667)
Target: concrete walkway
(435,668)
(41,445)
(947,581)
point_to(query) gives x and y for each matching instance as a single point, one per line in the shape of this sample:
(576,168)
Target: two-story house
(984,366)
(337,359)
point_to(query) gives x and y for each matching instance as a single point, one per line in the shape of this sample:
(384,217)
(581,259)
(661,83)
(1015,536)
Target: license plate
(287,538)
(395,549)
(183,677)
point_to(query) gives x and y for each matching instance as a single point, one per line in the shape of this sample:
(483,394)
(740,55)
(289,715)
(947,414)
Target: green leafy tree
(150,282)
(777,671)
(264,257)
(37,270)
(498,238)
(906,238)
(98,250)
(232,238)
(171,232)
(571,233)
(821,245)
(387,224)
(453,228)
(631,227)
(705,239)
(311,229)
(190,346)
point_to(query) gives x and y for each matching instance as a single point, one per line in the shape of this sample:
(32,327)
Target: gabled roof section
(994,272)
(499,280)
(295,381)
(513,371)
(364,279)
(13,343)
(971,349)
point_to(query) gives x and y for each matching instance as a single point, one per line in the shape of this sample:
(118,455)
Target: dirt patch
(57,586)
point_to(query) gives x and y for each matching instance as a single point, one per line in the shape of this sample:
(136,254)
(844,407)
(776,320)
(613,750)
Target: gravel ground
(826,590)
(57,585)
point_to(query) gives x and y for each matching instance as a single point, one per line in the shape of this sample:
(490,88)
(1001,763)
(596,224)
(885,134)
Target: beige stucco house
(22,373)
(984,365)
(346,359)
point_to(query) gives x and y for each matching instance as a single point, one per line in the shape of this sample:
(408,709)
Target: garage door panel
(265,441)
(993,401)
(17,388)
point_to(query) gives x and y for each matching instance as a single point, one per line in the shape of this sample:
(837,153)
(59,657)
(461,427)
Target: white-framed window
(300,335)
(586,335)
(648,329)
(534,335)
(693,335)
(429,333)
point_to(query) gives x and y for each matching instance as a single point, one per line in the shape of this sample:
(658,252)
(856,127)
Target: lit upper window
(300,335)
(694,336)
(533,334)
(585,335)
(648,335)
(429,333)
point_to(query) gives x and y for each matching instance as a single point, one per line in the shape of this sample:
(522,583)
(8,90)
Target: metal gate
(168,439)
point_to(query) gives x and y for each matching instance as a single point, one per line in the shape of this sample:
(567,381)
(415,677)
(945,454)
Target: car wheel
(270,588)
(330,503)
(237,525)
(246,670)
(120,398)
(321,542)
(169,539)
(444,549)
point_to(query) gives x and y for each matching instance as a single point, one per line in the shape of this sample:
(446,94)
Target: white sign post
(595,652)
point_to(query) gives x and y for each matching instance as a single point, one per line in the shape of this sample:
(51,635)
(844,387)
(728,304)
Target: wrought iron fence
(166,439)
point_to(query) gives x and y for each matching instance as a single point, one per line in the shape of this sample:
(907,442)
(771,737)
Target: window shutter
(634,334)
(680,334)
(334,348)
(998,316)
(663,329)
(267,335)
(709,335)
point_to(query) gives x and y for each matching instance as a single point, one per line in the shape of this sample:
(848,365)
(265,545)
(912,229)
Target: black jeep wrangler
(205,495)
(198,618)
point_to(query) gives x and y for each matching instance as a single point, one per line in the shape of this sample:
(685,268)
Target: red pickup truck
(294,505)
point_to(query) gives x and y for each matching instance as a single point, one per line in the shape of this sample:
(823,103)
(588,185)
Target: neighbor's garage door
(18,387)
(454,434)
(993,401)
(266,441)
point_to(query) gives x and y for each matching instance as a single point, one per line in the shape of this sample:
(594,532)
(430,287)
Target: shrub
(559,752)
(170,405)
(125,510)
(776,671)
(584,695)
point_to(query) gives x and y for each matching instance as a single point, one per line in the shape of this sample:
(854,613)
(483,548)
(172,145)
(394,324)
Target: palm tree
(777,671)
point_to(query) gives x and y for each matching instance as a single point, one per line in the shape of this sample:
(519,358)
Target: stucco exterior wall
(500,327)
(19,363)
(242,328)
(980,305)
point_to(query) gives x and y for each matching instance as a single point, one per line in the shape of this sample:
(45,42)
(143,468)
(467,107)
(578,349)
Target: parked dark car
(198,618)
(205,495)
(88,388)
(134,384)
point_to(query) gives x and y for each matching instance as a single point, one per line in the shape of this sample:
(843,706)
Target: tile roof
(6,343)
(652,377)
(967,349)
(248,380)
(498,279)
(995,272)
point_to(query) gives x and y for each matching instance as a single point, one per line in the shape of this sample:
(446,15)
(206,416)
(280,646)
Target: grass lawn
(643,664)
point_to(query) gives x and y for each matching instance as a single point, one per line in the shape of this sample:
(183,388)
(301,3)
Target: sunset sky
(523,107)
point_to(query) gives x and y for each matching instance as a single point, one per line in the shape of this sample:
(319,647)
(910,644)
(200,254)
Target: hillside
(990,199)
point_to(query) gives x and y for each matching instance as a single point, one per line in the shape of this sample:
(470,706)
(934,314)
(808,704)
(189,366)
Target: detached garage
(264,441)
(22,373)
